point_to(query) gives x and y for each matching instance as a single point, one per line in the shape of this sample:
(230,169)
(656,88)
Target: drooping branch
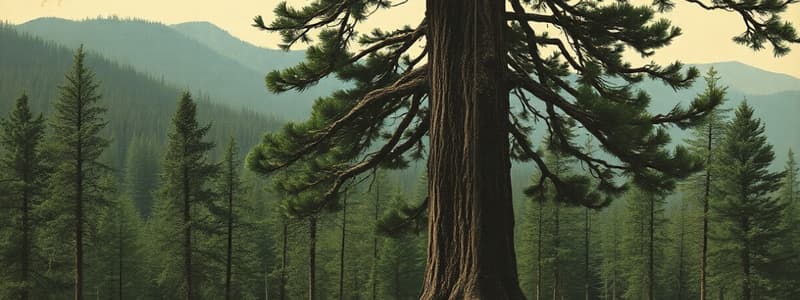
(772,30)
(399,221)
(413,82)
(389,150)
(303,75)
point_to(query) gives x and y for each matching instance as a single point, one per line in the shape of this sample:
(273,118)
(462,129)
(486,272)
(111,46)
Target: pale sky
(706,35)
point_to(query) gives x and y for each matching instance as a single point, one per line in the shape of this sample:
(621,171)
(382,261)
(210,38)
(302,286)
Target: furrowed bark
(470,224)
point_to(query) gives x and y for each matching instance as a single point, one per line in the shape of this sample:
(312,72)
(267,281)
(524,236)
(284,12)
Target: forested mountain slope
(138,105)
(163,52)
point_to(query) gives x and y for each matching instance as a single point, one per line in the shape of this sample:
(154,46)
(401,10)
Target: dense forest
(115,184)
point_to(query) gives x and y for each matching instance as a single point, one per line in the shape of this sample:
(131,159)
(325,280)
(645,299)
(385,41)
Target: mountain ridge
(179,59)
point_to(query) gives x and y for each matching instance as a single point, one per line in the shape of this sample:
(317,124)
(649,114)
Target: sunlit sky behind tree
(706,36)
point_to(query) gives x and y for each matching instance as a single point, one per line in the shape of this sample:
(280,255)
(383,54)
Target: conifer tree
(399,267)
(790,188)
(642,243)
(455,92)
(184,196)
(230,186)
(117,269)
(705,140)
(22,174)
(749,216)
(611,268)
(77,124)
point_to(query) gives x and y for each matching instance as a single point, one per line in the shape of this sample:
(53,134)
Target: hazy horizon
(237,20)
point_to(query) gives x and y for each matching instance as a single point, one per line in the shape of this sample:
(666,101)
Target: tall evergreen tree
(22,174)
(117,268)
(680,254)
(611,268)
(183,194)
(749,215)
(705,140)
(230,186)
(399,267)
(790,187)
(77,124)
(643,243)
(465,111)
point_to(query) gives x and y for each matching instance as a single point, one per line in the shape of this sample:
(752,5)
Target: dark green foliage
(377,123)
(118,269)
(139,106)
(355,130)
(22,176)
(77,192)
(748,216)
(400,266)
(615,115)
(141,173)
(642,245)
(180,215)
(237,232)
(790,187)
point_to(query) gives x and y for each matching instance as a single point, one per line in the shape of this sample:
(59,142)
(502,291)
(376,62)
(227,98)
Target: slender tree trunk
(681,258)
(642,244)
(121,253)
(341,249)
(706,195)
(26,244)
(79,223)
(556,246)
(285,235)
(397,281)
(375,241)
(586,253)
(228,260)
(650,268)
(539,254)
(746,285)
(614,276)
(187,237)
(312,258)
(471,219)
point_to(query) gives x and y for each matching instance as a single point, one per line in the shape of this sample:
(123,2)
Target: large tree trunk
(471,220)
(187,237)
(312,258)
(706,195)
